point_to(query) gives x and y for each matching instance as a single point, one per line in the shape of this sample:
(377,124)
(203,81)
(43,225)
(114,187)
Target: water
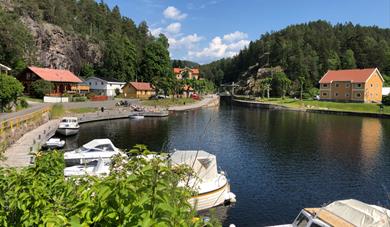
(278,162)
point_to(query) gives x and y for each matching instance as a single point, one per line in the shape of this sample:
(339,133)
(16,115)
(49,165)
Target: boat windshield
(64,121)
(301,221)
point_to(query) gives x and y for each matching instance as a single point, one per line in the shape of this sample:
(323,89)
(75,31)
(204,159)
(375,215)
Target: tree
(156,61)
(282,83)
(301,81)
(40,88)
(334,61)
(266,84)
(87,71)
(348,60)
(10,90)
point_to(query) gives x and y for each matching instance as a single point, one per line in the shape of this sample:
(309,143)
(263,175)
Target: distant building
(385,91)
(138,90)
(180,73)
(104,86)
(80,88)
(63,80)
(354,85)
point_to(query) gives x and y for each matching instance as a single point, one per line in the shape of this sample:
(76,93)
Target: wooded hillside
(309,50)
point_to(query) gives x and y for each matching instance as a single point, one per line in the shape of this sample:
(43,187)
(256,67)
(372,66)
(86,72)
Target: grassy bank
(58,110)
(314,104)
(82,110)
(168,102)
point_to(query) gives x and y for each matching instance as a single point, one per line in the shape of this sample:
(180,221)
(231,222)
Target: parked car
(155,97)
(195,96)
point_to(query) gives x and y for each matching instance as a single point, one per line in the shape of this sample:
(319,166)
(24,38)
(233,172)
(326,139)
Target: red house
(63,80)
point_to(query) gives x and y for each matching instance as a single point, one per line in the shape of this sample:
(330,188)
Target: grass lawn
(314,104)
(57,111)
(31,99)
(82,110)
(168,102)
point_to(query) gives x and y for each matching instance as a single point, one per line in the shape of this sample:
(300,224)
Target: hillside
(308,50)
(84,36)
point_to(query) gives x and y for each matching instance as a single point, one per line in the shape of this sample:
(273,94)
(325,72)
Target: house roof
(179,70)
(141,86)
(353,75)
(55,75)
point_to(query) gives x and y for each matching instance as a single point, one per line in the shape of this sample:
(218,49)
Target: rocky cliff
(58,49)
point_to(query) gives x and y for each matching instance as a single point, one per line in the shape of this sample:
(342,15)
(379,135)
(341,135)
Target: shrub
(79,99)
(90,95)
(40,195)
(40,88)
(10,90)
(23,103)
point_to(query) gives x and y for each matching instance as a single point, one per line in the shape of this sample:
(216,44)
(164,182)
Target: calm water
(278,161)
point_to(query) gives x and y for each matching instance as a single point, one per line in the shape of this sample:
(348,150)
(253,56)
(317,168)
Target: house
(352,85)
(63,80)
(385,91)
(180,73)
(105,86)
(80,88)
(139,90)
(4,69)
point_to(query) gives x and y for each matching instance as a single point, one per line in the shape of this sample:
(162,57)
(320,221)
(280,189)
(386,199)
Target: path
(210,100)
(31,109)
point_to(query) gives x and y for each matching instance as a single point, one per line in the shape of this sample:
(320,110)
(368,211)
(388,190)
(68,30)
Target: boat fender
(230,197)
(223,173)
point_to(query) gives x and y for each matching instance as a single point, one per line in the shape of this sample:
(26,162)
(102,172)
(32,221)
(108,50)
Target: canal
(278,162)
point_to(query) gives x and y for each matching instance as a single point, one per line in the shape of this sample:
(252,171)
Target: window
(358,95)
(324,94)
(95,83)
(336,94)
(110,85)
(337,85)
(324,85)
(372,85)
(301,221)
(347,95)
(90,83)
(347,85)
(376,84)
(102,83)
(358,85)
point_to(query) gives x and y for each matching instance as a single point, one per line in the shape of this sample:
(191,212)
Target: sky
(208,30)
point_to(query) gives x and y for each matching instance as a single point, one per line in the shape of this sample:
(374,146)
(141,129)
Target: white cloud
(187,42)
(173,28)
(228,46)
(237,35)
(173,13)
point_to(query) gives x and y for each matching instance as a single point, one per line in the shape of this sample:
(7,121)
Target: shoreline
(263,105)
(19,153)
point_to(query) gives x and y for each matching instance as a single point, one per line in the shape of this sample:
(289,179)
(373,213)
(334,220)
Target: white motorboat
(212,186)
(348,213)
(136,116)
(93,150)
(68,126)
(54,143)
(100,167)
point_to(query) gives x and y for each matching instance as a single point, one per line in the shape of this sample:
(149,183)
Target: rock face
(57,49)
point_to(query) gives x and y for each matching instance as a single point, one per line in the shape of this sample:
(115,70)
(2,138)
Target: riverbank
(354,109)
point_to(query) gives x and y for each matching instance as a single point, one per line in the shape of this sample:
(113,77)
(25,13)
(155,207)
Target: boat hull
(210,199)
(68,131)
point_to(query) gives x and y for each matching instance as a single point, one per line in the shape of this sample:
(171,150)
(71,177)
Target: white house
(104,86)
(385,91)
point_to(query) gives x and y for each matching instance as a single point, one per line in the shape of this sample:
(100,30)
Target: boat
(54,143)
(93,150)
(156,114)
(100,167)
(346,213)
(68,126)
(212,187)
(136,116)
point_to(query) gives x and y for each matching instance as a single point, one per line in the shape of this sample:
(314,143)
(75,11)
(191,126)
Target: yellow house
(139,90)
(352,85)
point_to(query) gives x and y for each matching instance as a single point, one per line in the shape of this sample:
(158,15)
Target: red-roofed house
(180,73)
(63,80)
(355,85)
(139,90)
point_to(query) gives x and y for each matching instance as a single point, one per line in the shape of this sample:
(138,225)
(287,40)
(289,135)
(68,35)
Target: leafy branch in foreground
(138,192)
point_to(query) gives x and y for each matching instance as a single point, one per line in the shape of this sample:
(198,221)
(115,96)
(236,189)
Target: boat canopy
(69,119)
(359,213)
(101,144)
(204,164)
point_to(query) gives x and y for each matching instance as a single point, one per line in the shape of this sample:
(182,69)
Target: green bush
(79,99)
(10,90)
(23,103)
(40,195)
(40,88)
(91,95)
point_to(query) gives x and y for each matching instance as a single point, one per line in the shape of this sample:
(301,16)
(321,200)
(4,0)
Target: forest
(130,52)
(306,51)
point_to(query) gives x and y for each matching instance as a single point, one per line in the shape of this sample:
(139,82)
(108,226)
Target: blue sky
(207,30)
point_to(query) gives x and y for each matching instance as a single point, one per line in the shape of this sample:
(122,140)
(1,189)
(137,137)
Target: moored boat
(54,143)
(100,167)
(68,126)
(212,187)
(136,116)
(348,213)
(93,150)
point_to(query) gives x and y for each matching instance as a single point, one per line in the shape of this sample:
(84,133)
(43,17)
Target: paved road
(110,104)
